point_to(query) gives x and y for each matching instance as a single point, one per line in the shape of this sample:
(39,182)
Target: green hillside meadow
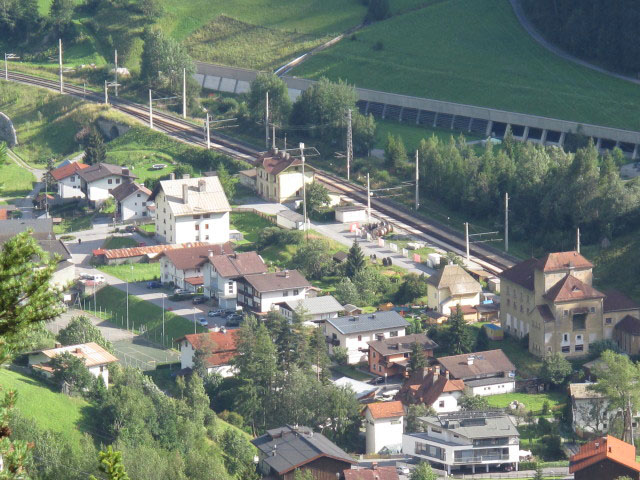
(476,52)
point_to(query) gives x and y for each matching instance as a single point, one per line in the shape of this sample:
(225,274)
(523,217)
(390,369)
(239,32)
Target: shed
(351,213)
(494,284)
(433,260)
(290,220)
(494,332)
(248,178)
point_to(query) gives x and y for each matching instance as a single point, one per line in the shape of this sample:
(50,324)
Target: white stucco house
(220,347)
(263,292)
(475,439)
(95,358)
(316,309)
(183,267)
(132,201)
(430,387)
(68,180)
(354,332)
(384,423)
(100,179)
(485,373)
(452,286)
(191,210)
(221,274)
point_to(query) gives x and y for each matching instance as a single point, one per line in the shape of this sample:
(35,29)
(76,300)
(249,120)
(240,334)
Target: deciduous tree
(71,371)
(81,330)
(279,101)
(555,368)
(423,472)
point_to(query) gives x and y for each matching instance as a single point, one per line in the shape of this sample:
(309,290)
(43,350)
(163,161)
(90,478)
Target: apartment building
(554,302)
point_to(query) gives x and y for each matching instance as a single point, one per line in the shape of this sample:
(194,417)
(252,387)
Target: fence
(266,216)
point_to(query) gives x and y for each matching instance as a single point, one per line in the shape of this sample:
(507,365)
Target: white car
(203,321)
(403,469)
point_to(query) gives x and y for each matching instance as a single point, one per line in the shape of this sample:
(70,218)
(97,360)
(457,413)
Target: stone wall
(111,129)
(7,131)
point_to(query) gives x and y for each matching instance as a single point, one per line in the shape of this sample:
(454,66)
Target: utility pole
(163,295)
(208,133)
(506,221)
(578,240)
(184,93)
(417,183)
(466,236)
(60,64)
(304,191)
(8,56)
(150,110)
(106,95)
(273,137)
(349,144)
(266,122)
(128,302)
(285,141)
(368,200)
(116,71)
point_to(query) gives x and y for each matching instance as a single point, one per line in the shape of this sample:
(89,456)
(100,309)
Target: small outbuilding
(351,213)
(494,332)
(290,220)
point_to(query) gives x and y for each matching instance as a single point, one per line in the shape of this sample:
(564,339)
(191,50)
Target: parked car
(403,470)
(218,312)
(154,284)
(130,228)
(234,320)
(203,321)
(181,291)
(199,299)
(376,381)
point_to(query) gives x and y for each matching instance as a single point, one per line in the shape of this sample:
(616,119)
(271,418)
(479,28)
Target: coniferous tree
(95,151)
(111,464)
(417,360)
(458,338)
(482,341)
(355,261)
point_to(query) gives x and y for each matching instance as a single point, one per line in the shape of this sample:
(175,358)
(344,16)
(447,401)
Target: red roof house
(220,347)
(605,458)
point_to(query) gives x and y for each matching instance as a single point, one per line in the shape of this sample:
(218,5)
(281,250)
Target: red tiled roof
(422,387)
(222,346)
(604,448)
(274,164)
(4,214)
(195,280)
(140,251)
(386,409)
(483,364)
(67,170)
(193,257)
(380,473)
(616,301)
(238,264)
(468,309)
(571,288)
(563,260)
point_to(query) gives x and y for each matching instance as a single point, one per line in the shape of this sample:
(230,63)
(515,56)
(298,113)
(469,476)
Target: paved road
(26,204)
(110,331)
(535,34)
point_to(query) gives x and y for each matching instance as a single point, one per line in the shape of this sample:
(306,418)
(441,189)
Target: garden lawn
(49,409)
(533,402)
(148,227)
(475,53)
(15,181)
(114,302)
(351,372)
(74,224)
(249,224)
(137,272)
(119,242)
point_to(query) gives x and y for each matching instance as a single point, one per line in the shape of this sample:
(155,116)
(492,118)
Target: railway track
(490,259)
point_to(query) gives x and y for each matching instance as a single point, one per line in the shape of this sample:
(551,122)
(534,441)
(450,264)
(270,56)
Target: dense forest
(601,31)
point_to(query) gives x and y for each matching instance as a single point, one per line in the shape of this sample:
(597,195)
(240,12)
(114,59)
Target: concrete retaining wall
(7,131)
(111,129)
(479,121)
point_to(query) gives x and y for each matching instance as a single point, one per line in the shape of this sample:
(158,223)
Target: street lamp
(8,56)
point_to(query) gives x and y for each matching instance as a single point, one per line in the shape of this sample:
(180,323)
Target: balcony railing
(482,458)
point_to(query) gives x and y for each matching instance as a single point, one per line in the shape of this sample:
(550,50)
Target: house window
(295,291)
(592,309)
(197,227)
(565,338)
(565,313)
(608,320)
(285,293)
(579,348)
(206,215)
(144,204)
(566,349)
(359,338)
(73,178)
(206,237)
(206,226)
(394,333)
(110,181)
(441,404)
(508,301)
(138,195)
(579,321)
(374,354)
(379,368)
(117,181)
(196,217)
(379,336)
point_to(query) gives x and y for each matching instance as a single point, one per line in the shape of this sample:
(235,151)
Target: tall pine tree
(355,260)
(417,359)
(95,151)
(458,338)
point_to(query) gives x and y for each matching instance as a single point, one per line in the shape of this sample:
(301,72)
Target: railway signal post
(7,57)
(60,64)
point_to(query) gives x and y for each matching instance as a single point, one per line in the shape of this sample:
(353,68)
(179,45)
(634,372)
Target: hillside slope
(476,53)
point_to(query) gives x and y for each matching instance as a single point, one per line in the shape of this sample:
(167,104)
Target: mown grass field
(15,181)
(532,402)
(141,312)
(475,53)
(50,410)
(119,242)
(141,272)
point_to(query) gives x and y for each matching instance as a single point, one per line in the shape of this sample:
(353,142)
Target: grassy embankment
(475,53)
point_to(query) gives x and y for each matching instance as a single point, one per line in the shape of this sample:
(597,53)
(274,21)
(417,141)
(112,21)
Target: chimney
(446,374)
(275,150)
(210,253)
(186,176)
(374,466)
(202,185)
(425,372)
(172,176)
(58,345)
(125,171)
(436,373)
(185,194)
(470,360)
(286,274)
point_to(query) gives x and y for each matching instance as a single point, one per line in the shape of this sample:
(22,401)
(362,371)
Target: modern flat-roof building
(477,439)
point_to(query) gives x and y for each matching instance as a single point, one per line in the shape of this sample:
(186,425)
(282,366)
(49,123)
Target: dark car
(199,299)
(154,284)
(234,320)
(130,228)
(376,381)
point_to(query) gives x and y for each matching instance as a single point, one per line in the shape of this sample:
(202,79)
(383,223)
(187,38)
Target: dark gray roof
(42,232)
(288,447)
(397,345)
(368,322)
(103,170)
(126,189)
(272,282)
(475,424)
(290,215)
